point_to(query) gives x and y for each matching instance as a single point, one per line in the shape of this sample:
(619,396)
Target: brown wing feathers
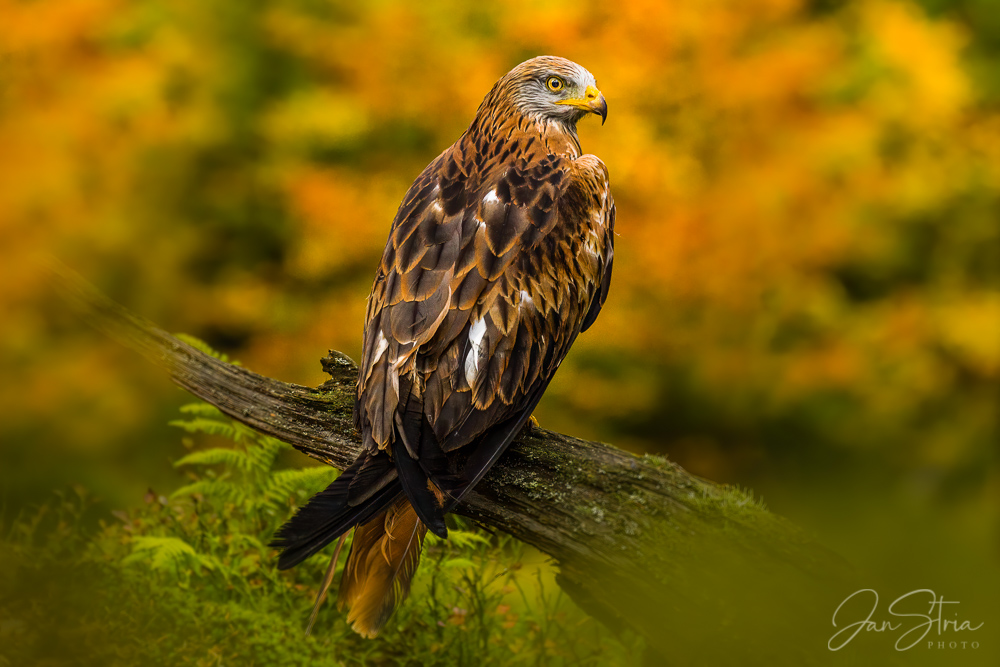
(500,254)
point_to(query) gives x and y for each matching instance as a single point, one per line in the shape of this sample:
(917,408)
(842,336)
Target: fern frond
(202,346)
(209,427)
(243,433)
(213,488)
(460,539)
(202,409)
(285,484)
(167,554)
(234,458)
(263,451)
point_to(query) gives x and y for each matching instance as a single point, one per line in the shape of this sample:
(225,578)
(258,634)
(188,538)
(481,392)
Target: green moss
(729,502)
(656,460)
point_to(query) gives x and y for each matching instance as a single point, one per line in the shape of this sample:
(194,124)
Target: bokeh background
(806,298)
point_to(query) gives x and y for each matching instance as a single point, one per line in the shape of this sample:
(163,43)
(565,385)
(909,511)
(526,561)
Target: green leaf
(263,451)
(465,539)
(286,484)
(208,426)
(202,409)
(162,553)
(216,456)
(202,346)
(212,488)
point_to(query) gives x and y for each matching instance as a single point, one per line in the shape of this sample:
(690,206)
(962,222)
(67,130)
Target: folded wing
(481,291)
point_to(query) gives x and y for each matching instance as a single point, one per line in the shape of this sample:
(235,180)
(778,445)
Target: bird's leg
(327,580)
(529,425)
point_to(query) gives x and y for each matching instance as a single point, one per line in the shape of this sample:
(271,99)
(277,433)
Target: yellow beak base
(591,102)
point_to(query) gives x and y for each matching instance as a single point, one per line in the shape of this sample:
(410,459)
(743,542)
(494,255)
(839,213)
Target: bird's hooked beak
(591,102)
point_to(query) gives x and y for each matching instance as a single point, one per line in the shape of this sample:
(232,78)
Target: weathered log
(702,571)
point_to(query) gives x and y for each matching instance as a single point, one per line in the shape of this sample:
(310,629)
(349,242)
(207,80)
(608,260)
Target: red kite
(499,256)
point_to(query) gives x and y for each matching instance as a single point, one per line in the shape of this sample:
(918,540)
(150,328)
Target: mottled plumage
(499,256)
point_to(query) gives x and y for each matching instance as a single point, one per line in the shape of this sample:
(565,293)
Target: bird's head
(552,88)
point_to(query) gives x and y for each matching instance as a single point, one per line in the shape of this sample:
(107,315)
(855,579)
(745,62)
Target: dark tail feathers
(366,488)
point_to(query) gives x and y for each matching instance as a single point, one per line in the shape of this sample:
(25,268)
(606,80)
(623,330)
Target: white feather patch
(491,197)
(381,344)
(476,333)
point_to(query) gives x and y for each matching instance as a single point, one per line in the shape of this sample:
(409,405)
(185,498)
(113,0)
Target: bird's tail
(362,491)
(384,555)
(386,546)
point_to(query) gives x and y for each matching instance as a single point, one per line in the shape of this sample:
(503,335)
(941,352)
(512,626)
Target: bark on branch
(699,570)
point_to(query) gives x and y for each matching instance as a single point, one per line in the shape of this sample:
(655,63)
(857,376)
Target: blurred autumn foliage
(806,276)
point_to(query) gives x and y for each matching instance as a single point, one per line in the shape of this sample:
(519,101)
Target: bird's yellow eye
(554,83)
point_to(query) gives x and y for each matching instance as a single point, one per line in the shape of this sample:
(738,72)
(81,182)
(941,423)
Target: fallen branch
(699,570)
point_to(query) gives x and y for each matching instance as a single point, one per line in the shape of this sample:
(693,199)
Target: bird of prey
(499,256)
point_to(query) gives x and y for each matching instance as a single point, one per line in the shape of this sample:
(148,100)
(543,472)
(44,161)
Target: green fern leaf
(217,456)
(202,346)
(212,488)
(263,452)
(286,484)
(162,553)
(208,426)
(168,554)
(202,409)
(460,539)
